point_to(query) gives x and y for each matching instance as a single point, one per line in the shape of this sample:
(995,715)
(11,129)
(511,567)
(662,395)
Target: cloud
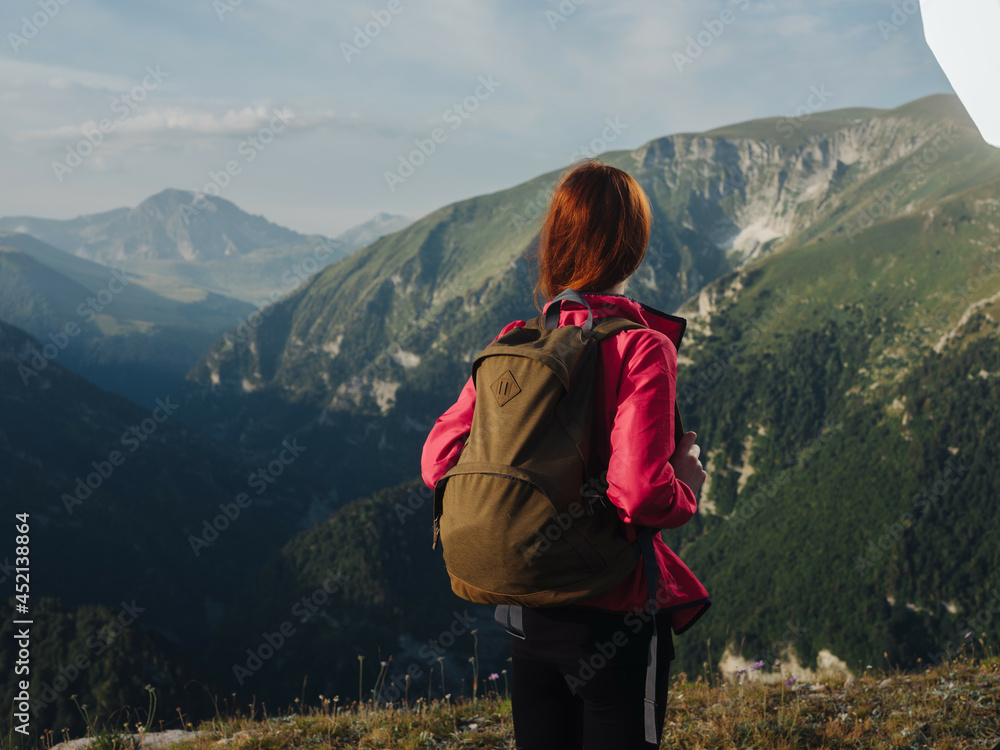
(200,126)
(177,119)
(24,73)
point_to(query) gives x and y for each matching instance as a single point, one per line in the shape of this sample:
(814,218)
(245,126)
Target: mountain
(184,245)
(816,247)
(171,225)
(103,323)
(179,241)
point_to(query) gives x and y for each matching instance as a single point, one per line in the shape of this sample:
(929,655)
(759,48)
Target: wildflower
(791,681)
(968,635)
(757,665)
(494,676)
(385,664)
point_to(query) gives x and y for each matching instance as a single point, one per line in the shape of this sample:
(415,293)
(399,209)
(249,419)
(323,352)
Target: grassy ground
(953,705)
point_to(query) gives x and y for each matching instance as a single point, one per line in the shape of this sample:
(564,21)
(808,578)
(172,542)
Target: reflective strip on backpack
(511,618)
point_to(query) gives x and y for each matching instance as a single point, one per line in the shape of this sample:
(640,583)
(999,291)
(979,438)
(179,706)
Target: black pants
(578,678)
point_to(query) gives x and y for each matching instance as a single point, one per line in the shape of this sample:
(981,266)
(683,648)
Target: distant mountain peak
(173,199)
(170,194)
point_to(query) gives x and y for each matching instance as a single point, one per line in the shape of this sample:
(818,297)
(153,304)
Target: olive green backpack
(521,517)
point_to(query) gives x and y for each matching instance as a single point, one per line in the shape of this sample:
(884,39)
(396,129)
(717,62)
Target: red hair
(595,231)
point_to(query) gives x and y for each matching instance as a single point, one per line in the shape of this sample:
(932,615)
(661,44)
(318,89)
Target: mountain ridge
(109,327)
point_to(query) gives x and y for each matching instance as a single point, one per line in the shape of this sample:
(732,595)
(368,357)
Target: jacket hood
(623,306)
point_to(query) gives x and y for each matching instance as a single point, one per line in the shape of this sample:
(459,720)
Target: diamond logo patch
(505,388)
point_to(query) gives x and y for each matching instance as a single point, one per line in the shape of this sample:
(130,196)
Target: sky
(318,114)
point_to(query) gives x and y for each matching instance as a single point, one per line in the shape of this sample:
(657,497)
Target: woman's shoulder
(640,341)
(639,353)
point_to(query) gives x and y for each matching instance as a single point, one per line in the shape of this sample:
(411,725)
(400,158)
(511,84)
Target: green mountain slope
(845,397)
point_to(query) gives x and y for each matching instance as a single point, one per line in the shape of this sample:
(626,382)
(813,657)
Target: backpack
(522,517)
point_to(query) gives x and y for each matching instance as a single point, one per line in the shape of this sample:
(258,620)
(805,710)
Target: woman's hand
(685,461)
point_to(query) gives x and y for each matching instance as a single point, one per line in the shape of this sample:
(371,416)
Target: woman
(578,675)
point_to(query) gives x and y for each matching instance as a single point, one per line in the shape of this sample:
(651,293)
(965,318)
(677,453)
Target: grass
(951,705)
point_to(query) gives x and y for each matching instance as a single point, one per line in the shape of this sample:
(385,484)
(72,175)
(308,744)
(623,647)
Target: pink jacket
(635,389)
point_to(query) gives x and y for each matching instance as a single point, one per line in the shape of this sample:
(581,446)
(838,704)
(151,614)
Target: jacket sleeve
(447,437)
(641,480)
